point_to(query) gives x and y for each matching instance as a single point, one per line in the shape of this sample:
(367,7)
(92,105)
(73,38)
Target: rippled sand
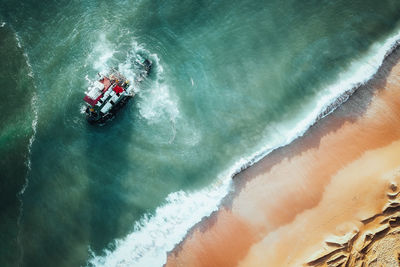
(328,199)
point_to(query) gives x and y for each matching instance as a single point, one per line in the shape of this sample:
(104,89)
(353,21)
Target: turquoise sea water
(232,79)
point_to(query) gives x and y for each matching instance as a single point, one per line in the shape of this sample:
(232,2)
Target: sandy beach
(331,198)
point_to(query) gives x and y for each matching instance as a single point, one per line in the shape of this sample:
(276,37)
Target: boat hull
(99,118)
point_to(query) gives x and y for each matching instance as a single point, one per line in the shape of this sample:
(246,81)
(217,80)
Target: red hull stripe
(89,100)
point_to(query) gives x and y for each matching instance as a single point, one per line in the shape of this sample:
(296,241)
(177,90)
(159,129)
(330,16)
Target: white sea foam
(2,24)
(358,73)
(157,104)
(82,110)
(35,112)
(27,61)
(102,53)
(18,41)
(155,235)
(127,67)
(31,140)
(30,73)
(29,165)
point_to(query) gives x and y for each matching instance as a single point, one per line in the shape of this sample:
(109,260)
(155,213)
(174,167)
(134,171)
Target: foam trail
(102,53)
(19,44)
(155,235)
(31,139)
(127,68)
(26,182)
(27,61)
(156,102)
(35,112)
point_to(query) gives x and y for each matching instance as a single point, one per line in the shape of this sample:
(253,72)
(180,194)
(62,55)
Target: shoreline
(349,112)
(177,227)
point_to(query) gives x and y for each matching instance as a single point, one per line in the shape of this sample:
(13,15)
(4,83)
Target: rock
(322,255)
(393,195)
(341,241)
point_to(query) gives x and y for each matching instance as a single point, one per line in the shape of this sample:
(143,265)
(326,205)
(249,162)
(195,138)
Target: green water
(229,77)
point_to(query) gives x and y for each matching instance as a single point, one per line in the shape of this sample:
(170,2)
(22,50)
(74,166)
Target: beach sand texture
(331,198)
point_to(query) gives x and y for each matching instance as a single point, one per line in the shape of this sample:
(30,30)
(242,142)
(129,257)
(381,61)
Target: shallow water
(231,79)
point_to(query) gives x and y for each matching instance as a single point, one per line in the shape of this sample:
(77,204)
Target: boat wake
(157,103)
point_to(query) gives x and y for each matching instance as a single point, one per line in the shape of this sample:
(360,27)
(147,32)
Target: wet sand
(327,199)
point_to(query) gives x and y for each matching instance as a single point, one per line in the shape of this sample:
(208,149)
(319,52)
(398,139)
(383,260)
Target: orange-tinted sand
(314,198)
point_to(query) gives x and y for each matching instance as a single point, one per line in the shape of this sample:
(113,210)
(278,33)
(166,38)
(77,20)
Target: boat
(107,95)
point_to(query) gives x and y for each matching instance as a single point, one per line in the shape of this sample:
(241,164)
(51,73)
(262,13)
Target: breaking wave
(155,235)
(329,98)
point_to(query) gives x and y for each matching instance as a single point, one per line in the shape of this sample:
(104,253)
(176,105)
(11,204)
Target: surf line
(154,236)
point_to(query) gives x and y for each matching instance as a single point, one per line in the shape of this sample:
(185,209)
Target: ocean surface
(232,80)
